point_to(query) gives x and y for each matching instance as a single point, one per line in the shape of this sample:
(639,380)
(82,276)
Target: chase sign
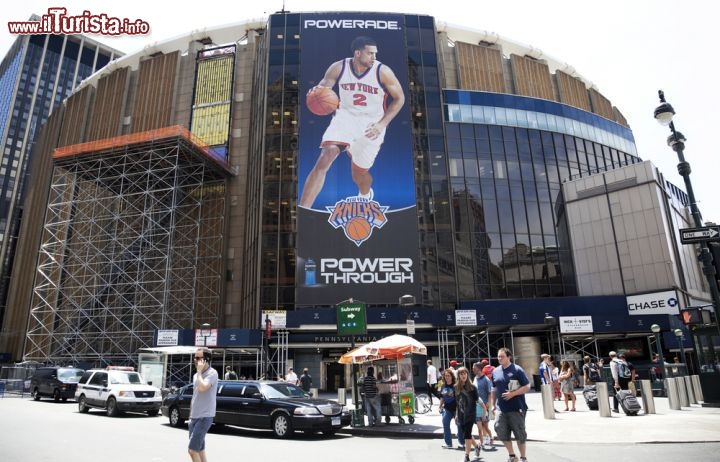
(666,302)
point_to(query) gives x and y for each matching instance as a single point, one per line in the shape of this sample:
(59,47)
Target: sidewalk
(691,424)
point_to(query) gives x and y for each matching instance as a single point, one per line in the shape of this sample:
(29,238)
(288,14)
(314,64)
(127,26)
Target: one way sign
(694,235)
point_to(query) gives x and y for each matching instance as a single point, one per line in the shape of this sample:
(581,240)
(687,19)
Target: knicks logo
(357,216)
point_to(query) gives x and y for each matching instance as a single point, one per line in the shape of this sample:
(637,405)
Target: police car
(117,390)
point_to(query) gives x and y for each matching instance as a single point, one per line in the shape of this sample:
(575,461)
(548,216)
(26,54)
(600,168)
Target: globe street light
(656,331)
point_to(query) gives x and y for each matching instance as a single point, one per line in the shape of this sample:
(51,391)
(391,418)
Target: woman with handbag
(567,383)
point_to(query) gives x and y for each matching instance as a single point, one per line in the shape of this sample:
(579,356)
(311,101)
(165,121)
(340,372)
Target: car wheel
(82,405)
(56,395)
(411,419)
(175,419)
(112,409)
(36,394)
(281,425)
(153,412)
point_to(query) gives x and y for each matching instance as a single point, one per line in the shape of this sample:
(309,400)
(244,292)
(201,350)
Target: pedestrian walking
(510,385)
(202,404)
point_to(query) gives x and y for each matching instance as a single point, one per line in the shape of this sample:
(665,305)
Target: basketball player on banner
(358,126)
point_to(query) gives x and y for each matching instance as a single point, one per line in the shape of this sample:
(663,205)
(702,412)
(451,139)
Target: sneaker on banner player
(359,123)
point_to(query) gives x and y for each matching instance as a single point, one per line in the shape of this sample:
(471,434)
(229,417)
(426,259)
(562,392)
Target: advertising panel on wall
(212,99)
(357,219)
(666,302)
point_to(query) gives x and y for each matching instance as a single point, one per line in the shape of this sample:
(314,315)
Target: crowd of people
(486,393)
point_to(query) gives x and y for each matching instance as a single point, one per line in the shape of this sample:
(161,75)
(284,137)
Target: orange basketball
(322,101)
(357,229)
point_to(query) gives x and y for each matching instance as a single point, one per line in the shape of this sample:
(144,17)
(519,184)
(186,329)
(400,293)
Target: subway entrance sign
(351,319)
(704,234)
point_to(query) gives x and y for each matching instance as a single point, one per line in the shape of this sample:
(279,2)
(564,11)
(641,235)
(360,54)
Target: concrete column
(690,391)
(697,389)
(603,399)
(672,392)
(548,401)
(682,392)
(647,397)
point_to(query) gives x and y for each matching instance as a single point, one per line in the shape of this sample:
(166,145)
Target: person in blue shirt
(510,383)
(448,408)
(484,388)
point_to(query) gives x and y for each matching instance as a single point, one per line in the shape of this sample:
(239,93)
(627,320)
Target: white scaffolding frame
(132,243)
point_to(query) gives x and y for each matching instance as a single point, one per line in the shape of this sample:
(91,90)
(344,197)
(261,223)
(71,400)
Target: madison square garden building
(509,205)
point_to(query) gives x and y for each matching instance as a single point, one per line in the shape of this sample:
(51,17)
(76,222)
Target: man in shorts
(510,383)
(202,405)
(359,124)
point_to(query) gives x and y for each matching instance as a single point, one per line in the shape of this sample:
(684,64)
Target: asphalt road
(47,431)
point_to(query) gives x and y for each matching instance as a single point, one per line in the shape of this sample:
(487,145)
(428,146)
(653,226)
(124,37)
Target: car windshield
(70,375)
(282,390)
(125,377)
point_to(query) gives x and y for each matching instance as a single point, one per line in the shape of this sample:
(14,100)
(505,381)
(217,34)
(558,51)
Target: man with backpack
(591,372)
(621,376)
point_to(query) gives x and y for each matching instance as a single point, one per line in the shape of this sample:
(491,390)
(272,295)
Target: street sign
(410,327)
(351,319)
(705,234)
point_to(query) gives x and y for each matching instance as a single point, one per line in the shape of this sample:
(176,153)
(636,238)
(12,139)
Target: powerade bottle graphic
(310,272)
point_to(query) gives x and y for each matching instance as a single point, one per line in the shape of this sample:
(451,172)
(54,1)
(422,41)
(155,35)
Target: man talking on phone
(202,406)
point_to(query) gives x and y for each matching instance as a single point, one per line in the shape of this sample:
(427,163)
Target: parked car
(117,390)
(277,406)
(54,382)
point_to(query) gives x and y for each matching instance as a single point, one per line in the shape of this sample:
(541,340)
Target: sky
(627,49)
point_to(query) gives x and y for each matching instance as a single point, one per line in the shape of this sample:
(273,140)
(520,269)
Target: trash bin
(358,418)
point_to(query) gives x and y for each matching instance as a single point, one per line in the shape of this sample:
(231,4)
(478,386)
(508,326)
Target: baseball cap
(621,354)
(487,370)
(453,363)
(612,353)
(484,362)
(544,355)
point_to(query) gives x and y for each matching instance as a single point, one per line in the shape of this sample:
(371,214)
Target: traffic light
(696,316)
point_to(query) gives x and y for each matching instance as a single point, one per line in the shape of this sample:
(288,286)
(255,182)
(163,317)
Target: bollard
(603,399)
(548,401)
(682,392)
(342,396)
(690,391)
(672,392)
(697,389)
(314,392)
(647,397)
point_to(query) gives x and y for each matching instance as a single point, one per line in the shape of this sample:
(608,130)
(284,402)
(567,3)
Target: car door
(254,410)
(94,394)
(228,403)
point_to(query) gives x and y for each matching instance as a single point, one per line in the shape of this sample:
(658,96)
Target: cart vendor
(370,390)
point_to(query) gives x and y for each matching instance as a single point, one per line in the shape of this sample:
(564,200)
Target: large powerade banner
(357,219)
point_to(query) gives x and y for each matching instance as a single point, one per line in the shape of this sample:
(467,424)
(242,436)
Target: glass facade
(488,174)
(36,76)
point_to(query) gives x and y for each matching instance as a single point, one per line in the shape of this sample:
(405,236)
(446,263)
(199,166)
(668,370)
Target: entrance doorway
(335,376)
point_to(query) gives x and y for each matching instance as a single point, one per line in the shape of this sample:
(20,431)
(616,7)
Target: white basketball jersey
(361,95)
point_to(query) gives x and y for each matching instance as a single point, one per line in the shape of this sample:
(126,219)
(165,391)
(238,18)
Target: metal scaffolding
(132,243)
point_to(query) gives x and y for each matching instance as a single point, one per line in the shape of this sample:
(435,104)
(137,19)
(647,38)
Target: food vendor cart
(392,359)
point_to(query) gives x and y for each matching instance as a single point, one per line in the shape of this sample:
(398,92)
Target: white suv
(117,389)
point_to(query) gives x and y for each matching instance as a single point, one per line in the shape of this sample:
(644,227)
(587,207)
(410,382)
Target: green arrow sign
(351,319)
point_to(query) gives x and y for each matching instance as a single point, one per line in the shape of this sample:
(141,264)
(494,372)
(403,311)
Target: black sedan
(278,406)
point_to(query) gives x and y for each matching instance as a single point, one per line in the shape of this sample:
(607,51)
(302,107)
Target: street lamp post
(709,383)
(664,114)
(679,335)
(656,331)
